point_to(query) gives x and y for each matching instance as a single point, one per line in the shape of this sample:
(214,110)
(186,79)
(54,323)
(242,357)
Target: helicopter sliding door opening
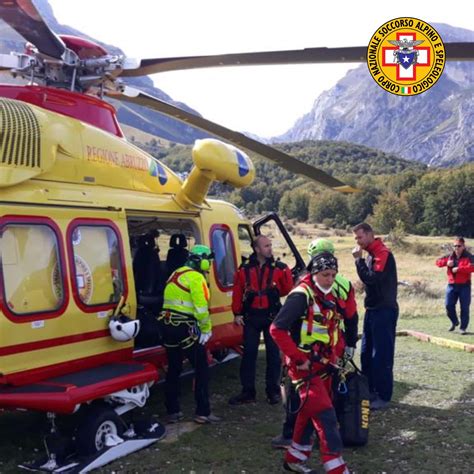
(158,247)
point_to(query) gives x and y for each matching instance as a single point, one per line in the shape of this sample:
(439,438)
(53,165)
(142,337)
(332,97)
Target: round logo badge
(406,56)
(83,279)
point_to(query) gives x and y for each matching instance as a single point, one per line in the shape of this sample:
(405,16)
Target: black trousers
(255,324)
(378,350)
(174,338)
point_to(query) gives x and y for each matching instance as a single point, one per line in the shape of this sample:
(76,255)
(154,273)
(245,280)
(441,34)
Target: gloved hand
(204,337)
(349,352)
(239,320)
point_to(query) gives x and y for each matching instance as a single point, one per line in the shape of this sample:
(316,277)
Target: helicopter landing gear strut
(101,437)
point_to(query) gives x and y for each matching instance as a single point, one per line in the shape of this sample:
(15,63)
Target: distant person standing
(378,272)
(258,286)
(460,265)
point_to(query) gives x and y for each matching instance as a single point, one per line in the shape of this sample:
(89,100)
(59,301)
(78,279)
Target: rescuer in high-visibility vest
(307,330)
(344,291)
(187,327)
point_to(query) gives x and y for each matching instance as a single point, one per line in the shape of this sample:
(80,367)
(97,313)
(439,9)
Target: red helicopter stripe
(57,341)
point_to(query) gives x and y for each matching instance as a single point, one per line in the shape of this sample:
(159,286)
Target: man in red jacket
(460,265)
(258,286)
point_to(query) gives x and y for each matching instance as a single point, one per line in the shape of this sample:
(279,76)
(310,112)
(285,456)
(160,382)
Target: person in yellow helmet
(186,328)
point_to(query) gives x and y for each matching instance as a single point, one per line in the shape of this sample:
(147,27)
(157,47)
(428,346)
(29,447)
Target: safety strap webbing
(174,279)
(248,283)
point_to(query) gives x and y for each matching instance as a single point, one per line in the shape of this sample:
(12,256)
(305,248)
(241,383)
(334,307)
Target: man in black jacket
(378,272)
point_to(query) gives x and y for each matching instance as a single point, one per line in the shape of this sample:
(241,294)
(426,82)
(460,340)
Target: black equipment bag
(352,405)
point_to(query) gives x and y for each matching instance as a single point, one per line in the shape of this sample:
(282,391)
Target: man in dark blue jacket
(378,272)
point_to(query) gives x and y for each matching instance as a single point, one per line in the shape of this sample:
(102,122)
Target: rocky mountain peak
(435,128)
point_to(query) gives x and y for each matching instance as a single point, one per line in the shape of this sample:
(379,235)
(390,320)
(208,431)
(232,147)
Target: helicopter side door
(63,271)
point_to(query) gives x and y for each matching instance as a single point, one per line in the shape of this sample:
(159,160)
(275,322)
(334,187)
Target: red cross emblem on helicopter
(406,56)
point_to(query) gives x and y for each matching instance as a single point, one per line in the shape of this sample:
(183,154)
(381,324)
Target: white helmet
(123,328)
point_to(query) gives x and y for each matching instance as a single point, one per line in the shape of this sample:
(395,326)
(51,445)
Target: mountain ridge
(434,128)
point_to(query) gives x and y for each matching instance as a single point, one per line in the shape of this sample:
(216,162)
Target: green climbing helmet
(202,251)
(318,246)
(200,257)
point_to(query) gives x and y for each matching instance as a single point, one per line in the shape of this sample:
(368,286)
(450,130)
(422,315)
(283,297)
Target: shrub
(418,288)
(389,210)
(421,248)
(397,235)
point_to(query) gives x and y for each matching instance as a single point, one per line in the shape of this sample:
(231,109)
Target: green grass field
(429,428)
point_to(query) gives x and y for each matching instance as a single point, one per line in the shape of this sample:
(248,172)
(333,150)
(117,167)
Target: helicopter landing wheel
(220,354)
(98,423)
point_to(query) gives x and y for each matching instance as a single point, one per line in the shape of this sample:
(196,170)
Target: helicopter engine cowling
(214,161)
(28,144)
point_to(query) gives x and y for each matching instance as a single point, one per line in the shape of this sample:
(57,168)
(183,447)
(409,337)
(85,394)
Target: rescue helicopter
(82,213)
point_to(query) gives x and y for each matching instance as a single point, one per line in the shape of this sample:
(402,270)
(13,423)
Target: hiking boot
(379,404)
(205,420)
(242,398)
(274,399)
(280,442)
(174,418)
(453,327)
(298,467)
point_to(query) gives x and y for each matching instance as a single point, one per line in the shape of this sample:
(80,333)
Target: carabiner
(342,388)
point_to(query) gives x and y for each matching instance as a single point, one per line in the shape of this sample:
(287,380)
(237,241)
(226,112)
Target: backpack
(352,405)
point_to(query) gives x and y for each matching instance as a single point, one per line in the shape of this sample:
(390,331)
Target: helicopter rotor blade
(302,56)
(282,159)
(358,54)
(24,18)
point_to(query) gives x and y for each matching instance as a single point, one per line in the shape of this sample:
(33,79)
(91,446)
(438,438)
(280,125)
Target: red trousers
(316,405)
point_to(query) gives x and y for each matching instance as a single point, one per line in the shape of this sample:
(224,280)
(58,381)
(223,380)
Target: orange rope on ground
(440,341)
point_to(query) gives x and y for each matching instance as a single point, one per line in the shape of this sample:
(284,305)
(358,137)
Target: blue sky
(262,100)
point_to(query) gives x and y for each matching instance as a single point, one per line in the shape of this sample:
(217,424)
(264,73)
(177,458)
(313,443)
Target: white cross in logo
(408,74)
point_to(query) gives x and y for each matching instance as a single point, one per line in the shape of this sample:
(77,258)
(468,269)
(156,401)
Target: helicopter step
(66,393)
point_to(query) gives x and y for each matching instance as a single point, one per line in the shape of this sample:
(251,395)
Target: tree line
(393,192)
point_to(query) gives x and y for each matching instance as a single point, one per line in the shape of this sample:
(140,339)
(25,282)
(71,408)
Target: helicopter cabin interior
(158,247)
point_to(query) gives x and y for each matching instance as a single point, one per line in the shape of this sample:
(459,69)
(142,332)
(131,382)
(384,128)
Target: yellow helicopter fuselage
(75,200)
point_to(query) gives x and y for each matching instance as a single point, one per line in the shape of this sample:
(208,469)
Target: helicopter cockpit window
(98,274)
(224,262)
(31,267)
